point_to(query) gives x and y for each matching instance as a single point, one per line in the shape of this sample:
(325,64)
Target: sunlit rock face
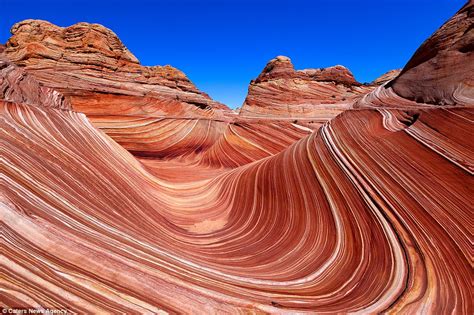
(438,74)
(91,67)
(440,71)
(98,76)
(282,91)
(202,214)
(386,77)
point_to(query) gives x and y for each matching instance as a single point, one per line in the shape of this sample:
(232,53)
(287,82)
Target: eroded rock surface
(19,87)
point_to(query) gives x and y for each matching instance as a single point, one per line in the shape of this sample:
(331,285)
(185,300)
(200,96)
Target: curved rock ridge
(440,71)
(280,90)
(88,63)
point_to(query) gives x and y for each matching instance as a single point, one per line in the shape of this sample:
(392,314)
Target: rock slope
(386,77)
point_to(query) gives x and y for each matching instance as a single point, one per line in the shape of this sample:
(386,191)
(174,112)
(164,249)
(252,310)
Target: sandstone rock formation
(438,74)
(282,91)
(19,87)
(386,77)
(242,239)
(440,71)
(90,66)
(215,213)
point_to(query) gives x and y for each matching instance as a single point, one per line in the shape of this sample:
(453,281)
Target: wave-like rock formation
(381,196)
(204,212)
(282,91)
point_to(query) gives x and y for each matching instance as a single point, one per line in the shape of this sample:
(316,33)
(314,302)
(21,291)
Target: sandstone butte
(125,189)
(282,91)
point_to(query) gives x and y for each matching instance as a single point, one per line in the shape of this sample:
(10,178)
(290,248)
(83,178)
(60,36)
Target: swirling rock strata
(103,233)
(204,141)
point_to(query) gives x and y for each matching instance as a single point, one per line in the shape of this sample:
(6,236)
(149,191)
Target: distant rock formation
(282,68)
(98,74)
(386,77)
(280,90)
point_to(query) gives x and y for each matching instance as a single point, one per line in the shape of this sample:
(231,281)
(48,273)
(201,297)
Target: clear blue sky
(222,45)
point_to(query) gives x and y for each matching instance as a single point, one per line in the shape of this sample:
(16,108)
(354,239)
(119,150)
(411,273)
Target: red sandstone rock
(440,71)
(282,91)
(19,87)
(386,77)
(88,62)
